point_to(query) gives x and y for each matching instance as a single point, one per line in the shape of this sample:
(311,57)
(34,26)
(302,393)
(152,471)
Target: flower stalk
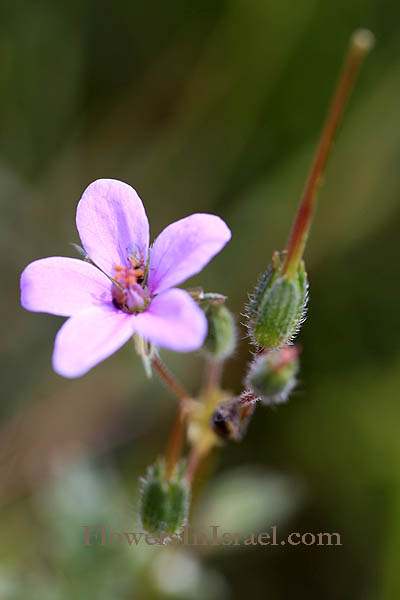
(170,380)
(198,453)
(177,437)
(213,375)
(176,441)
(361,43)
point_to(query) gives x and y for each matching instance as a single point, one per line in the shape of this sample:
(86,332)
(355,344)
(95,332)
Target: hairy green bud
(272,375)
(277,307)
(221,336)
(164,504)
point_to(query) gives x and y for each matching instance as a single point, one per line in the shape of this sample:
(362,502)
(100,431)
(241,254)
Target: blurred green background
(204,106)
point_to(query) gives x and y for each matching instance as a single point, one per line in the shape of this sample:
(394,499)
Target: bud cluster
(274,316)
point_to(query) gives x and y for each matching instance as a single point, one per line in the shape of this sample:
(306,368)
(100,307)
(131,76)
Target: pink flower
(132,290)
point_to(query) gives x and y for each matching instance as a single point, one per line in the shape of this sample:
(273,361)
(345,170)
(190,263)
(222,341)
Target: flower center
(128,292)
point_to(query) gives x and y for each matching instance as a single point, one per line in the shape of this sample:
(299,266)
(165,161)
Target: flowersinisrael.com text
(97,535)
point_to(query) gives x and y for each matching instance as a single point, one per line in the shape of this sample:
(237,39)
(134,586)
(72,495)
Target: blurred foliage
(203,106)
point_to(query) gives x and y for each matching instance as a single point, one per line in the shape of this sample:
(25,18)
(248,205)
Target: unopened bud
(229,422)
(164,504)
(272,375)
(277,307)
(221,337)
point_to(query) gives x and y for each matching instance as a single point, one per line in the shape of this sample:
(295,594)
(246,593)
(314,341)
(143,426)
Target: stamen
(128,293)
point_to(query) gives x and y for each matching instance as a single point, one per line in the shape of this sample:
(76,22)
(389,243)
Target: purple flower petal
(112,223)
(173,320)
(184,248)
(88,338)
(63,286)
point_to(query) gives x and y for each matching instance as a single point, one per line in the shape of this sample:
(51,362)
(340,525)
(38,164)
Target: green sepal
(221,336)
(272,375)
(220,342)
(164,503)
(277,307)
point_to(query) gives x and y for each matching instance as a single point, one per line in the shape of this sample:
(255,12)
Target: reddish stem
(177,436)
(172,383)
(361,42)
(175,442)
(195,457)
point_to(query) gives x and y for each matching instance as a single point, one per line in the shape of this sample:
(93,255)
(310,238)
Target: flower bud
(229,422)
(277,307)
(221,337)
(164,504)
(272,375)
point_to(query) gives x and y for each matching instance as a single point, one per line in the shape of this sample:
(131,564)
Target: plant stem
(177,436)
(198,452)
(171,382)
(361,43)
(213,374)
(176,441)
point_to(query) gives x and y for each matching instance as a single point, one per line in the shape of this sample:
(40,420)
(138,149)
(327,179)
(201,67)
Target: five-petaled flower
(127,287)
